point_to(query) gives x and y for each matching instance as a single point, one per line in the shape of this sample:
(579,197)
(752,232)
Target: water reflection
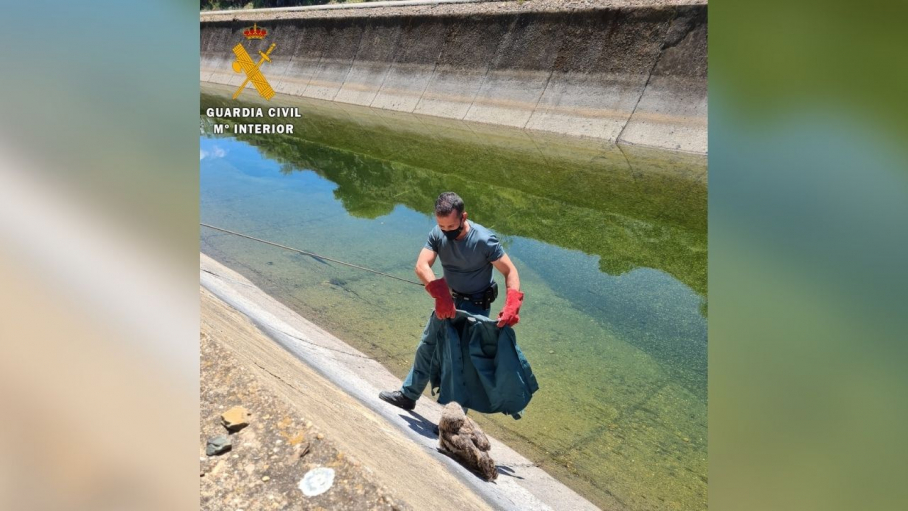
(631,207)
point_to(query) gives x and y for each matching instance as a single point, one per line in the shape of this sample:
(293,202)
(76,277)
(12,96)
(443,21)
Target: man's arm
(424,266)
(507,268)
(437,288)
(509,314)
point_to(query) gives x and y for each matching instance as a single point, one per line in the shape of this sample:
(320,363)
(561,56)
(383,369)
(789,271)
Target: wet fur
(461,437)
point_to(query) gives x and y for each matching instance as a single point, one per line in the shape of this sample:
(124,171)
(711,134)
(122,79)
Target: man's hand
(509,315)
(444,304)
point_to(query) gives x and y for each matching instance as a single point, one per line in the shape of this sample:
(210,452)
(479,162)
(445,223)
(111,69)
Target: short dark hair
(448,202)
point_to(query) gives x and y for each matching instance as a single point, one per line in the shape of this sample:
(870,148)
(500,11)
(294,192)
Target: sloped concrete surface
(624,71)
(520,485)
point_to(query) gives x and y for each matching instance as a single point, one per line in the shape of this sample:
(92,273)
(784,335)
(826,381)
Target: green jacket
(479,365)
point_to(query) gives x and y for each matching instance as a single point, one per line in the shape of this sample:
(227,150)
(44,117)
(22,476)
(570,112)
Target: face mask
(451,235)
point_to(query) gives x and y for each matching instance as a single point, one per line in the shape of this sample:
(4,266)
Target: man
(468,252)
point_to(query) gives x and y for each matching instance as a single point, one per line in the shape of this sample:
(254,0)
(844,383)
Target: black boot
(398,399)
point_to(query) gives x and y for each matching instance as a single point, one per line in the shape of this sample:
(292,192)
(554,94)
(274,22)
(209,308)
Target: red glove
(444,305)
(509,314)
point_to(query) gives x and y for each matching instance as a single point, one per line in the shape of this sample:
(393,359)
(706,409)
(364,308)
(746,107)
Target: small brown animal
(460,436)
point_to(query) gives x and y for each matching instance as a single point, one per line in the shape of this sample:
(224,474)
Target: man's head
(449,214)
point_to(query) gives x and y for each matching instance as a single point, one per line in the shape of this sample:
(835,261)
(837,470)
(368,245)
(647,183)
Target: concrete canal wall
(625,71)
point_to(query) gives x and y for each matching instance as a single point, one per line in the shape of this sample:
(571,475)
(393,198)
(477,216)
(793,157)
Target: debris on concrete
(235,419)
(317,481)
(218,445)
(272,453)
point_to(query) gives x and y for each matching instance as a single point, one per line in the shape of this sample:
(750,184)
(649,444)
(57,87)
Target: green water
(610,244)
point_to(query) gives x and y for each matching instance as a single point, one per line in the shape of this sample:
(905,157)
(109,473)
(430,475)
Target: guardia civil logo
(252,70)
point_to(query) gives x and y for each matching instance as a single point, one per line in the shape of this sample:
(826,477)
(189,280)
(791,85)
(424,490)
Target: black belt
(483,299)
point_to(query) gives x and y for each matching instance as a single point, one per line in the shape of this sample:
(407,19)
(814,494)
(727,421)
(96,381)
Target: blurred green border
(808,240)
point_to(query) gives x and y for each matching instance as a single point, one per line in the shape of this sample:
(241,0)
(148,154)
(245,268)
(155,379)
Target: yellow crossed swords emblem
(245,64)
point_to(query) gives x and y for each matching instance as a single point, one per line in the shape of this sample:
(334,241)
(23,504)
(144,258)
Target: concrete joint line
(400,33)
(630,167)
(504,39)
(280,81)
(649,76)
(359,45)
(432,74)
(485,74)
(547,80)
(285,382)
(535,106)
(314,72)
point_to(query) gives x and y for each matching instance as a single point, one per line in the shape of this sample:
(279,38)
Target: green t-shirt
(467,263)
